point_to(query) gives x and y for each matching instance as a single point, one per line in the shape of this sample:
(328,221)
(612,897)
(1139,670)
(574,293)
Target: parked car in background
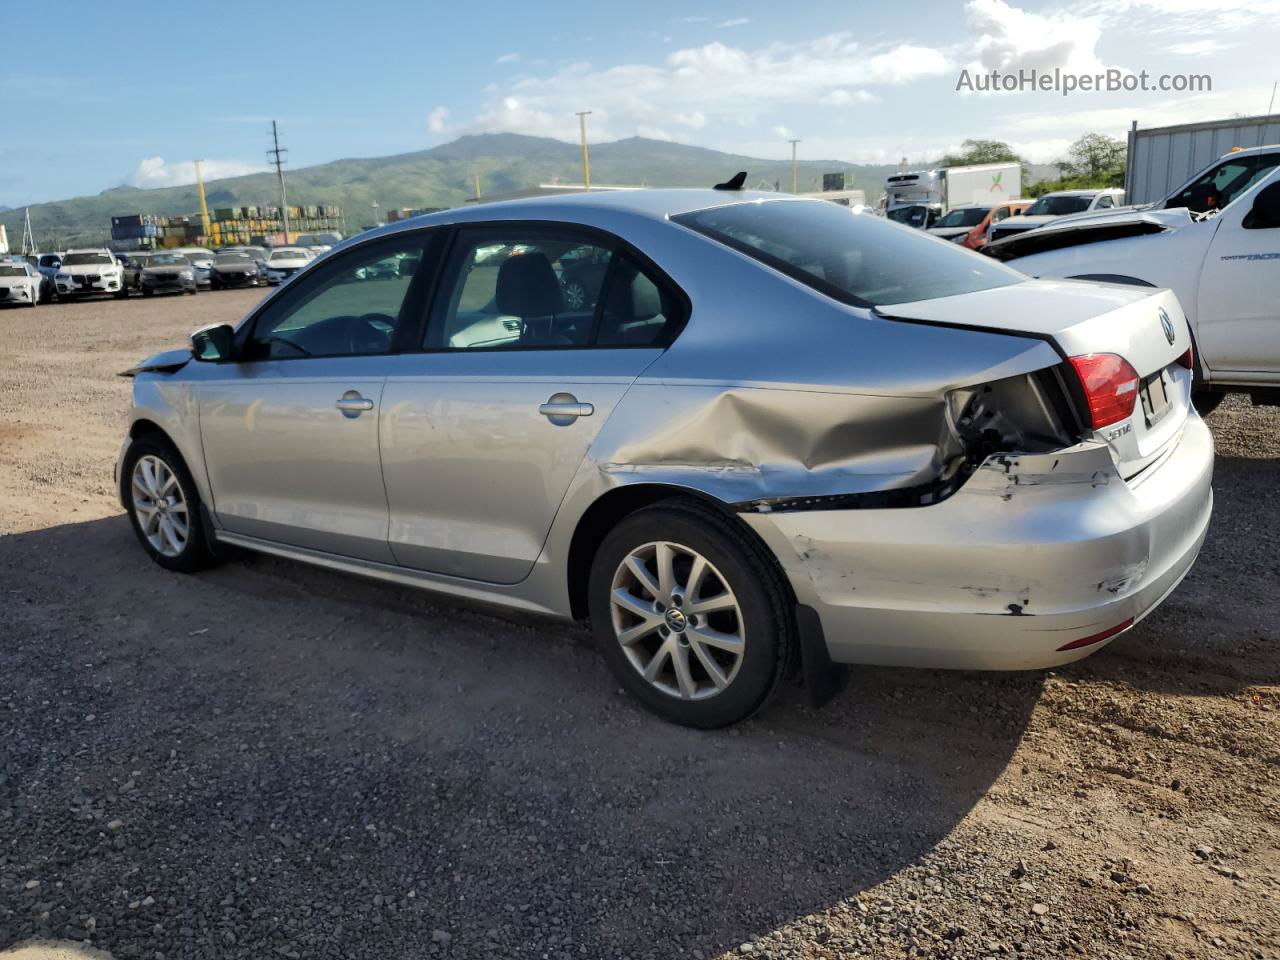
(236,268)
(318,242)
(1224,266)
(21,284)
(132,271)
(168,272)
(284,262)
(960,222)
(201,261)
(978,237)
(90,271)
(933,460)
(1057,204)
(581,275)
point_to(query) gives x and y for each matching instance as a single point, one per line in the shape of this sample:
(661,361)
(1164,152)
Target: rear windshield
(858,259)
(964,217)
(1058,206)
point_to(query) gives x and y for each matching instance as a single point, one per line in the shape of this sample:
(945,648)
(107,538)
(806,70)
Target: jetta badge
(1167,325)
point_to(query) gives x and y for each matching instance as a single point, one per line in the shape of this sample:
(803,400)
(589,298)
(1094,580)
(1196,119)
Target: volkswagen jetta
(776,437)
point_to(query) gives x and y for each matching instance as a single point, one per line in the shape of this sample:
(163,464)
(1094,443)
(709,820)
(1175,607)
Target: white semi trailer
(921,197)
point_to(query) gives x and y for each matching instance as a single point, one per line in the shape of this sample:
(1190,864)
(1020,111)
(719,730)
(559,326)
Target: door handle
(352,404)
(563,408)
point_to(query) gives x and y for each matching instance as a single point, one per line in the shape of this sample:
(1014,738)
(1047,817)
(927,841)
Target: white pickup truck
(1215,242)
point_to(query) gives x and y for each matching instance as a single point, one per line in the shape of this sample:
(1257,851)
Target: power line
(279,157)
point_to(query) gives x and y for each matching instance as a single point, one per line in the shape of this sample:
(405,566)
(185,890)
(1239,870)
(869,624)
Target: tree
(1095,158)
(981,151)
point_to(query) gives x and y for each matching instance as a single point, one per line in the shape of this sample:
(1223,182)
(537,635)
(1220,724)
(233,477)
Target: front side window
(351,307)
(1104,202)
(858,260)
(1219,186)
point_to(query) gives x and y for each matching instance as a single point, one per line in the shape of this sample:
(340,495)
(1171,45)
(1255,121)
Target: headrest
(634,296)
(528,287)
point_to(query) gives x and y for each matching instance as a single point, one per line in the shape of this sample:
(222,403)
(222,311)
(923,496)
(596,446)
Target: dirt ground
(272,760)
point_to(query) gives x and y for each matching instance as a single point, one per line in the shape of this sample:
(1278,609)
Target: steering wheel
(364,333)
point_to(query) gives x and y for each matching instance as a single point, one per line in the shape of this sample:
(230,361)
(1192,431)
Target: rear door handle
(563,409)
(352,404)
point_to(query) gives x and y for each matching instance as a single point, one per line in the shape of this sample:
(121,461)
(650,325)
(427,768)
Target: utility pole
(204,207)
(374,204)
(28,237)
(477,176)
(586,162)
(278,159)
(1271,103)
(794,178)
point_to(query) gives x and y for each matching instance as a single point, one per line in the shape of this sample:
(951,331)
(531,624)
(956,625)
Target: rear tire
(164,505)
(691,614)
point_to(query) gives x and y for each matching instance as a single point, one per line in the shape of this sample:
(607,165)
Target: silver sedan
(774,439)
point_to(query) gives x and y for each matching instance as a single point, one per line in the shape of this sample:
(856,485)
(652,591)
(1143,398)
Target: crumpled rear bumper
(1034,552)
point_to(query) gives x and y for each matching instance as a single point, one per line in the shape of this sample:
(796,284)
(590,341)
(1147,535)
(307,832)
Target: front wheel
(164,506)
(691,614)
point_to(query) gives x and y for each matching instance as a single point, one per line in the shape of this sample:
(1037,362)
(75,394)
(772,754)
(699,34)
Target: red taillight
(1098,637)
(1110,385)
(1188,359)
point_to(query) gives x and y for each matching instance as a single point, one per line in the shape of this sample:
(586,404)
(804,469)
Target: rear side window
(858,259)
(524,287)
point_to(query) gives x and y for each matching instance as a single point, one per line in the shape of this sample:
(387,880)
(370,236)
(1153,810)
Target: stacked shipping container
(228,226)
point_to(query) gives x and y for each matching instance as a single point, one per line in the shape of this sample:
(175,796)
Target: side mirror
(214,343)
(1265,213)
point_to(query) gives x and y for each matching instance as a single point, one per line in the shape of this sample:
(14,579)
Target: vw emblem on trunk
(1167,325)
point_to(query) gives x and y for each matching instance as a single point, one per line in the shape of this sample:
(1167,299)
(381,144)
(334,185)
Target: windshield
(287,255)
(168,260)
(965,217)
(318,239)
(50,260)
(8,270)
(234,258)
(864,261)
(1057,206)
(82,259)
(910,216)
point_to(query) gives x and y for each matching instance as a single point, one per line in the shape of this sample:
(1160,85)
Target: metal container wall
(1162,159)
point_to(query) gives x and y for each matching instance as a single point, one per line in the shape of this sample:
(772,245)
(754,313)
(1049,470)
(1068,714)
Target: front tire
(164,505)
(691,614)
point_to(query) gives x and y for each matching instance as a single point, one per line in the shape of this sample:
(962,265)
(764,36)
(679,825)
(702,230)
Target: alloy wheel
(160,506)
(677,620)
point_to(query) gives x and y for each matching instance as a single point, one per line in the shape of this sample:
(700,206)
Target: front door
(483,432)
(1238,317)
(290,430)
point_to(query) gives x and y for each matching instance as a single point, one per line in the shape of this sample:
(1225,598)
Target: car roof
(652,204)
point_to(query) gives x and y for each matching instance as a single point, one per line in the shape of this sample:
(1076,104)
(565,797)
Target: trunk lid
(1144,325)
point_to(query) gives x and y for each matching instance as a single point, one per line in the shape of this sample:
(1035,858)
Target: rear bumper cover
(1035,551)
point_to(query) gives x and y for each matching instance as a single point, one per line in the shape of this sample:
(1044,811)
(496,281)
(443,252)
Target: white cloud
(844,98)
(438,119)
(716,82)
(508,58)
(1183,17)
(783,133)
(155,172)
(1199,48)
(1008,39)
(734,22)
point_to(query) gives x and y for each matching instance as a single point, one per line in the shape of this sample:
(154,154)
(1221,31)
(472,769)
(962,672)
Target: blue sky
(130,97)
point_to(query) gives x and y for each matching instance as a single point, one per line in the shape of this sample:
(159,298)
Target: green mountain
(439,177)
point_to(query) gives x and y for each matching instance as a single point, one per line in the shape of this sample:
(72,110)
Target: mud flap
(822,679)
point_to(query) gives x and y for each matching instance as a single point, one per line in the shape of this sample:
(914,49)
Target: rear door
(1238,319)
(484,429)
(290,430)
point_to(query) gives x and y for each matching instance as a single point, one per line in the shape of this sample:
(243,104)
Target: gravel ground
(268,760)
